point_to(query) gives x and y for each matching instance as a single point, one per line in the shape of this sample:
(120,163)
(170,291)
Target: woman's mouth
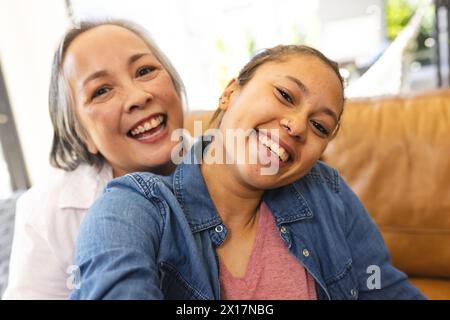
(148,129)
(274,147)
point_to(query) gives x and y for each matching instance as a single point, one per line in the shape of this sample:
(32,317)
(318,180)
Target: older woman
(114,101)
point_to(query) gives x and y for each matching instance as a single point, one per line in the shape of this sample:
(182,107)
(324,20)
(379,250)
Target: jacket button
(353,292)
(305,252)
(219,228)
(283,229)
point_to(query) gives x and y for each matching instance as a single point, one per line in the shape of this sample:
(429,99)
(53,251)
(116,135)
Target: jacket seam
(332,182)
(146,190)
(341,274)
(183,281)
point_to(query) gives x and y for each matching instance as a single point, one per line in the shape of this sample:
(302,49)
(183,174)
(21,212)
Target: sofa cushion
(434,289)
(395,154)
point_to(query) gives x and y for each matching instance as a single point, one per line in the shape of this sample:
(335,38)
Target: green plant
(398,13)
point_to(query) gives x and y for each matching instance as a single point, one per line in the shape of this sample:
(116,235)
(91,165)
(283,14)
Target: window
(12,167)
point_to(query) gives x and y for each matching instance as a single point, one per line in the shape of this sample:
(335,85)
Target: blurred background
(384,47)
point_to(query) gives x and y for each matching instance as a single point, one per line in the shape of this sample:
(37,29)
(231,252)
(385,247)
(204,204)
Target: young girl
(231,229)
(114,101)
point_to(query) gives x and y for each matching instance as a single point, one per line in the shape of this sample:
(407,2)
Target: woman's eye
(144,71)
(101,91)
(323,131)
(285,95)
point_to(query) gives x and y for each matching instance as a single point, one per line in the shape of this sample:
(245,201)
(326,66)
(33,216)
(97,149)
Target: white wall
(354,33)
(29,33)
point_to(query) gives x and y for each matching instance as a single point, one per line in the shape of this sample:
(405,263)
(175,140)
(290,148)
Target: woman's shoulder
(55,178)
(61,190)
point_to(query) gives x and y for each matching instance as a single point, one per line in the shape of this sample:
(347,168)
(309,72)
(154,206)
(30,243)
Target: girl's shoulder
(323,174)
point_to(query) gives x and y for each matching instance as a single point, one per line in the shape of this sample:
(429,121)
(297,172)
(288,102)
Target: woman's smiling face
(293,107)
(124,99)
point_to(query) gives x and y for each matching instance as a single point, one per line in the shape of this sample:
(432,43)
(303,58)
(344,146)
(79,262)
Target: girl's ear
(224,100)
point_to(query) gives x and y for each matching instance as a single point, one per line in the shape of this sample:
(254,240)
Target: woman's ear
(92,148)
(224,100)
(85,137)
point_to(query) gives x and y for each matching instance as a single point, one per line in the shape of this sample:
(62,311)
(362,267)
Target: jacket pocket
(174,286)
(344,285)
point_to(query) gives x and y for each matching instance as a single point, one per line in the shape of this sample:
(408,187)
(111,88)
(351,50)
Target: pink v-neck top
(272,271)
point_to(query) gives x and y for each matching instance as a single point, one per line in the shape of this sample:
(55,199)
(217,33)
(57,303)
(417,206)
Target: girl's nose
(296,128)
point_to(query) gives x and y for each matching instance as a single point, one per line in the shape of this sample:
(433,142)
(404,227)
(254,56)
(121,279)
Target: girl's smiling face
(299,100)
(124,99)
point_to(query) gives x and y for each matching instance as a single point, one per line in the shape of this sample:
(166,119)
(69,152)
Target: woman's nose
(137,98)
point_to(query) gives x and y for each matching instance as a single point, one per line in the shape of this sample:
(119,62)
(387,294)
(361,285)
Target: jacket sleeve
(118,245)
(371,260)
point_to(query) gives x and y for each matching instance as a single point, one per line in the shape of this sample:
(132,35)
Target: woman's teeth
(150,124)
(274,147)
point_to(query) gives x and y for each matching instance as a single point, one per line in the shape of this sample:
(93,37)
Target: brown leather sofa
(395,154)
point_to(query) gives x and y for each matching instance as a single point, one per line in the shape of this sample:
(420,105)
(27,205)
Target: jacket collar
(286,203)
(83,185)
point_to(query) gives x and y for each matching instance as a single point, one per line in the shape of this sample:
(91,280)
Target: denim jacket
(153,237)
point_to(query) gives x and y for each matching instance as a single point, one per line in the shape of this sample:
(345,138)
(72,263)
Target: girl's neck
(236,203)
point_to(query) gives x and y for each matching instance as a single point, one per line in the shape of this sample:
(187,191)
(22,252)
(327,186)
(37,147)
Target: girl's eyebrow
(303,88)
(329,112)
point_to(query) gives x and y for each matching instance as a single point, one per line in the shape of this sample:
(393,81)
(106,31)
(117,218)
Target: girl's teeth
(274,147)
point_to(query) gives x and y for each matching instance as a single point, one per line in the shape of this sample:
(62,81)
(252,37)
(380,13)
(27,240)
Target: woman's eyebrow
(95,75)
(137,56)
(104,73)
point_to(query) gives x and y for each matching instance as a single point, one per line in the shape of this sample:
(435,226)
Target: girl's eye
(323,131)
(144,71)
(285,95)
(101,91)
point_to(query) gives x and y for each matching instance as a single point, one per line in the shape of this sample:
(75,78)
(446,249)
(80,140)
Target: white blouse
(48,218)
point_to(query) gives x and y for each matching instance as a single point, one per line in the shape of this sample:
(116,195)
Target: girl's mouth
(148,128)
(274,147)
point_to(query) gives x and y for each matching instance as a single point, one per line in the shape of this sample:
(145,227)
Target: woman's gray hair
(68,148)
